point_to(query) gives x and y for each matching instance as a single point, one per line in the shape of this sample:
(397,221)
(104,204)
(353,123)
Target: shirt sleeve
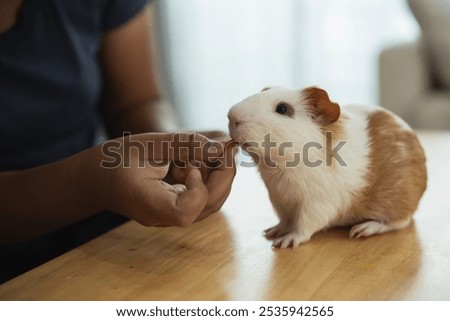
(118,12)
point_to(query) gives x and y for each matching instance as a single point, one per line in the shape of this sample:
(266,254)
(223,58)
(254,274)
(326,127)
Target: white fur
(306,199)
(369,228)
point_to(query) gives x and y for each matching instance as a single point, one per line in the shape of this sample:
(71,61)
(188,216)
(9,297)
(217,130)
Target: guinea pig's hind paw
(292,239)
(367,229)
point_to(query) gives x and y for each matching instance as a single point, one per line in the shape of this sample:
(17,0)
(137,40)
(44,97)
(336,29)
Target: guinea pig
(326,165)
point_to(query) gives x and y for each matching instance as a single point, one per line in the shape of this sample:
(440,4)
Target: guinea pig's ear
(266,88)
(323,110)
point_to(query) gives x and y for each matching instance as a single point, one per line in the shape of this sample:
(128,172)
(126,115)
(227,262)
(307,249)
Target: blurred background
(217,52)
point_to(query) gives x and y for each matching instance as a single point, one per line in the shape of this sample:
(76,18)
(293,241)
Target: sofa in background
(414,78)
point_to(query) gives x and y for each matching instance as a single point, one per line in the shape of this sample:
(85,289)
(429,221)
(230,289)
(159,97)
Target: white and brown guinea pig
(371,175)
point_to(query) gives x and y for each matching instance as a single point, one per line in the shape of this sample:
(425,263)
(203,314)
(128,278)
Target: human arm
(133,99)
(42,199)
(39,200)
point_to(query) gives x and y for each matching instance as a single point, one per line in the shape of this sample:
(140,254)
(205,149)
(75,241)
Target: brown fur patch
(333,134)
(328,116)
(323,110)
(397,174)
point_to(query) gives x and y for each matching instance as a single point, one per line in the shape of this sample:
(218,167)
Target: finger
(156,172)
(224,145)
(158,205)
(166,147)
(216,134)
(192,201)
(219,182)
(194,149)
(178,173)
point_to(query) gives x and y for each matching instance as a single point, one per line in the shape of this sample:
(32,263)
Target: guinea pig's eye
(282,109)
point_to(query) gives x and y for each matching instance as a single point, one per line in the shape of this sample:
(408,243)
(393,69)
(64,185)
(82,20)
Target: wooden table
(226,258)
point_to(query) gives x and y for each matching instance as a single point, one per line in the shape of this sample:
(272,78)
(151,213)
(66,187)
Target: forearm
(42,199)
(151,115)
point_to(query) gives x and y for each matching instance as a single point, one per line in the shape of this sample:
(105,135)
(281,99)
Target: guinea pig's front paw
(275,232)
(292,239)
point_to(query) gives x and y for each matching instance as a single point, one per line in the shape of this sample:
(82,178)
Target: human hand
(217,135)
(135,186)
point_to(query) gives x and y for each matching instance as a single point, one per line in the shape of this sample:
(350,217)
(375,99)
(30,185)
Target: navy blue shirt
(50,78)
(50,96)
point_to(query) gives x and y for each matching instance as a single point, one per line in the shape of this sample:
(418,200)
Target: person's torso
(50,82)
